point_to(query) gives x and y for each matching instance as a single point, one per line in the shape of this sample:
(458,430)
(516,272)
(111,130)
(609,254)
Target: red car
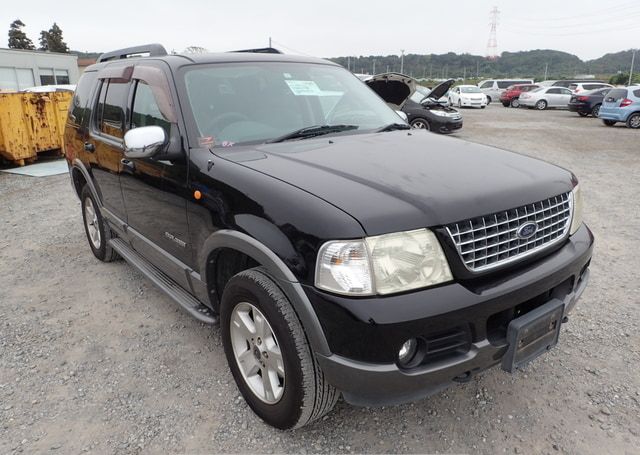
(510,96)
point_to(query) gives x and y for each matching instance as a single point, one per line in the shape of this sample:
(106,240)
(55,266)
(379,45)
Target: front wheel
(268,353)
(421,124)
(634,121)
(609,122)
(541,105)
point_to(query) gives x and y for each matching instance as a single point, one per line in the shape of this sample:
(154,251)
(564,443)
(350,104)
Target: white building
(20,69)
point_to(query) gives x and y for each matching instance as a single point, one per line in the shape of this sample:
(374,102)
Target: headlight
(576,221)
(441,113)
(384,264)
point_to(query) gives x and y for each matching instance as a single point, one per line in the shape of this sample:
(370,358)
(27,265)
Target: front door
(155,189)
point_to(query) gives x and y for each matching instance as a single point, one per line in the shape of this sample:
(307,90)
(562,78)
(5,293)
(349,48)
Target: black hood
(441,89)
(406,179)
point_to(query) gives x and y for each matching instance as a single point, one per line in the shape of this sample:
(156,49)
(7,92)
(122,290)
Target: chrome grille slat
(490,241)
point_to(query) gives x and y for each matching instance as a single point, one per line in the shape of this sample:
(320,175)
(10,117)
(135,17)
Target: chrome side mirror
(403,116)
(144,142)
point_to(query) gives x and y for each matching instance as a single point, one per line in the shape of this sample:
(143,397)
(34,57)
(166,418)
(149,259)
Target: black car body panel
(585,102)
(277,204)
(405,175)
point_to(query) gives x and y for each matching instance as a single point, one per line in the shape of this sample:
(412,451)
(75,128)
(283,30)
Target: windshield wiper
(313,131)
(393,127)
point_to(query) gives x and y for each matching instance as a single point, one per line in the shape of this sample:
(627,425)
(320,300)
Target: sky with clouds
(329,28)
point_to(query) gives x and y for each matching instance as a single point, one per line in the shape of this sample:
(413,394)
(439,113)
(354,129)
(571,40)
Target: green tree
(17,38)
(623,79)
(51,40)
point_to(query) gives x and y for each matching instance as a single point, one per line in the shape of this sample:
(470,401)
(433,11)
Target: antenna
(492,45)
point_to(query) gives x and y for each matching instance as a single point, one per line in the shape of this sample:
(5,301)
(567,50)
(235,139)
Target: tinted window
(62,77)
(80,103)
(636,93)
(487,84)
(145,109)
(553,91)
(504,84)
(616,94)
(111,112)
(573,86)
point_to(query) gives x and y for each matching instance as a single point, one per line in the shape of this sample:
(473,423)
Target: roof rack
(261,50)
(154,50)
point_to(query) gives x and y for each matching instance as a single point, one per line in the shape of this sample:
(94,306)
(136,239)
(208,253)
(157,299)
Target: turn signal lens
(576,221)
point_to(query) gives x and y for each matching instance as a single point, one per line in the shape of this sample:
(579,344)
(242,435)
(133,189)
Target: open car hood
(441,89)
(394,88)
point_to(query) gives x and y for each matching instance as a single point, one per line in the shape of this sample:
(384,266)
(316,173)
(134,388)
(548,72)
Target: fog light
(407,351)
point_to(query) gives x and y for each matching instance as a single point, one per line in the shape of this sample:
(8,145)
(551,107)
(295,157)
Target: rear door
(106,136)
(155,189)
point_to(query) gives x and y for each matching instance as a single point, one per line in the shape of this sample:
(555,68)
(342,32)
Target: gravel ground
(93,358)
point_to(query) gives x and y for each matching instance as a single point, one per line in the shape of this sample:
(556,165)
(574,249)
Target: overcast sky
(329,28)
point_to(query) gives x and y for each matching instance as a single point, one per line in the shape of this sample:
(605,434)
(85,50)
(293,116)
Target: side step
(189,303)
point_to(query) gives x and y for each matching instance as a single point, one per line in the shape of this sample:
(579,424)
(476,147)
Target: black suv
(341,251)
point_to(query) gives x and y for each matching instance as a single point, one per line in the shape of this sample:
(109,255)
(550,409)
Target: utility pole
(430,70)
(387,68)
(402,61)
(349,63)
(546,69)
(374,67)
(478,69)
(464,77)
(633,58)
(269,41)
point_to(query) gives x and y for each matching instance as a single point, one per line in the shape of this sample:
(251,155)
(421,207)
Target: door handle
(129,166)
(89,147)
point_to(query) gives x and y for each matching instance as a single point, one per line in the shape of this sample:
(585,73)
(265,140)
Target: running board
(189,303)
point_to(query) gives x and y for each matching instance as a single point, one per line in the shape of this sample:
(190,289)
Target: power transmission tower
(492,45)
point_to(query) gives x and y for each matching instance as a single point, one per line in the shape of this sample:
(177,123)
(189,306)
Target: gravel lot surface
(93,358)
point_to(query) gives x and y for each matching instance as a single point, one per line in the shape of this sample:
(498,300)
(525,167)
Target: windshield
(256,102)
(470,90)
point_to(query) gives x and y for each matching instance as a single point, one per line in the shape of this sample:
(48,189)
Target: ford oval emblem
(527,230)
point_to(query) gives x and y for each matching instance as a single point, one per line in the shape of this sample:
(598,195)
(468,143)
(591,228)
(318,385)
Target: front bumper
(446,125)
(366,334)
(472,103)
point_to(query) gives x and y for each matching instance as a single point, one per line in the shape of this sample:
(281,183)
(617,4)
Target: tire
(459,103)
(596,110)
(421,124)
(634,121)
(541,105)
(301,394)
(488,100)
(97,231)
(506,104)
(515,103)
(609,122)
(582,114)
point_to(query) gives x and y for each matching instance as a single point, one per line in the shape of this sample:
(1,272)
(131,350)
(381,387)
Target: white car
(467,96)
(586,86)
(544,97)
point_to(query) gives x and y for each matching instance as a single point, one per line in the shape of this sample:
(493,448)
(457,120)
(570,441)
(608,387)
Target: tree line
(50,40)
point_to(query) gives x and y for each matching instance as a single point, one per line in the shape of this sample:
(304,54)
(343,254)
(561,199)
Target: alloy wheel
(91,221)
(257,352)
(420,125)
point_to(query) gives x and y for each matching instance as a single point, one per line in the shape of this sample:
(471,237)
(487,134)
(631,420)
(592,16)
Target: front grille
(494,240)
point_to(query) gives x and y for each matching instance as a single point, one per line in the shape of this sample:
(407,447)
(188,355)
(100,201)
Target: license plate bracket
(533,334)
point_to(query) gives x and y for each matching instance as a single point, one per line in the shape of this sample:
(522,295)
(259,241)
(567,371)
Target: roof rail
(154,50)
(261,50)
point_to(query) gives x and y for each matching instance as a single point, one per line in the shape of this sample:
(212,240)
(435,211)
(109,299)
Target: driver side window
(146,111)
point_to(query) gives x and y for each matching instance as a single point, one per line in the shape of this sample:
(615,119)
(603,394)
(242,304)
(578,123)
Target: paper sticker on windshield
(304,88)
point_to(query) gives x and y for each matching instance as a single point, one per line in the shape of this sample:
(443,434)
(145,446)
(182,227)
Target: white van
(494,87)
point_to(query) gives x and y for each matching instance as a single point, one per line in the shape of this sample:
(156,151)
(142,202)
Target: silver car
(544,97)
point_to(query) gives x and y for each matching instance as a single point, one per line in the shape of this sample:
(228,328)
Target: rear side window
(636,93)
(113,97)
(504,84)
(79,108)
(487,84)
(575,86)
(554,91)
